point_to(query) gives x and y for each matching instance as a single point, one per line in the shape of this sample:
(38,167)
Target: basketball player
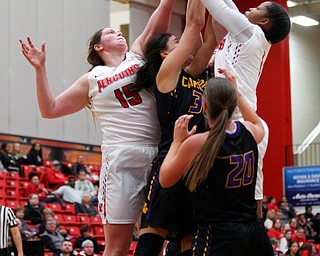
(127,117)
(220,168)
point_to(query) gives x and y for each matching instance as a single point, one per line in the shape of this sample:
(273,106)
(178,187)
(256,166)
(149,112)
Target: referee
(8,221)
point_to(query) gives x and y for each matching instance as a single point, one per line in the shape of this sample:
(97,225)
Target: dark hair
(3,146)
(148,72)
(280,23)
(32,149)
(32,174)
(84,228)
(221,100)
(93,57)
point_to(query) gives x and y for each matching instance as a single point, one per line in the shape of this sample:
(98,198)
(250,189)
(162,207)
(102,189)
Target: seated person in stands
(66,249)
(86,234)
(7,158)
(79,165)
(52,238)
(68,192)
(46,214)
(86,206)
(53,177)
(18,156)
(87,248)
(33,210)
(26,236)
(86,186)
(35,187)
(35,155)
(25,230)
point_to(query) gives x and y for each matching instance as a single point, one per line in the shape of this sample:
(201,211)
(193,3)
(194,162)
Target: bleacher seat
(26,169)
(3,183)
(56,208)
(2,194)
(69,209)
(3,175)
(83,219)
(70,220)
(12,182)
(74,231)
(47,163)
(98,231)
(12,194)
(59,218)
(12,203)
(95,221)
(13,175)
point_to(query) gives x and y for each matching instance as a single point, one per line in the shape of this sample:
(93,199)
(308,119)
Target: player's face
(255,15)
(172,43)
(111,39)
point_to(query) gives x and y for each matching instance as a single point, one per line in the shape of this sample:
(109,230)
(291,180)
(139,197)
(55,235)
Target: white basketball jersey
(245,61)
(126,115)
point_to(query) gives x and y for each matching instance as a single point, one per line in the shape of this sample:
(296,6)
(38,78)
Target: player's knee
(149,245)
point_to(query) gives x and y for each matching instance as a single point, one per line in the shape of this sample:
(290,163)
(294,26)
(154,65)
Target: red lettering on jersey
(103,83)
(221,44)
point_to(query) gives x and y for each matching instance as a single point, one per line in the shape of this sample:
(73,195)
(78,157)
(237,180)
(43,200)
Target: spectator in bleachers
(271,216)
(293,225)
(35,155)
(79,165)
(86,206)
(46,214)
(308,214)
(52,237)
(66,249)
(293,249)
(272,204)
(302,220)
(316,223)
(33,210)
(7,159)
(87,248)
(68,192)
(54,178)
(25,230)
(299,237)
(289,208)
(275,231)
(86,234)
(307,250)
(285,241)
(275,245)
(86,186)
(18,156)
(35,187)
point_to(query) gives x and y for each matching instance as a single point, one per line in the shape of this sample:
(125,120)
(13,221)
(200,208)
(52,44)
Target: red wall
(274,106)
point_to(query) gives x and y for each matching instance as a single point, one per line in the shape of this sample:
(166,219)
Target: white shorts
(123,177)
(262,148)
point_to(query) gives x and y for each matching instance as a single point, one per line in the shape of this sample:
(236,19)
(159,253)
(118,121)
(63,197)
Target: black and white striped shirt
(7,221)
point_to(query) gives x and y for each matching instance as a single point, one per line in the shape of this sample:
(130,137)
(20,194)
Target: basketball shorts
(228,239)
(123,177)
(167,208)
